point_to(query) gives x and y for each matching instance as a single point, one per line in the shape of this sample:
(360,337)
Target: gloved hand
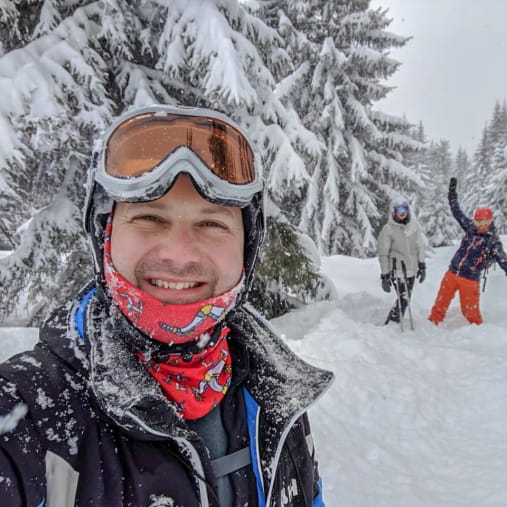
(386,282)
(421,272)
(453,183)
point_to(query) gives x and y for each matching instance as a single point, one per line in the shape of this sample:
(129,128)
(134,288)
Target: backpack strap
(231,462)
(236,460)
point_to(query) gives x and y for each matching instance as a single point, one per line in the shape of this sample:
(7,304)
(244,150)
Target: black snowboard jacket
(83,423)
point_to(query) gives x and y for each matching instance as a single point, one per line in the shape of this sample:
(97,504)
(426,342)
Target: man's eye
(148,218)
(212,224)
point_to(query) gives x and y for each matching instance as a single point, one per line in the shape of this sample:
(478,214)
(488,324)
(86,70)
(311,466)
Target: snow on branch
(142,86)
(49,19)
(389,119)
(199,39)
(11,148)
(332,185)
(287,167)
(358,168)
(292,82)
(396,169)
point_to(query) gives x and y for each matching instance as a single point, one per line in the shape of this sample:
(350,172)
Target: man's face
(180,248)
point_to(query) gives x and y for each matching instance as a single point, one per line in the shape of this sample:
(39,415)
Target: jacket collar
(282,383)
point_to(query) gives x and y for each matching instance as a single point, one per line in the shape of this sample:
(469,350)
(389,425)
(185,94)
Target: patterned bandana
(167,323)
(198,385)
(196,382)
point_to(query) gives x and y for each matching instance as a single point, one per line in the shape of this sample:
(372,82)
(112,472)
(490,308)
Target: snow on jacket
(403,242)
(99,431)
(477,249)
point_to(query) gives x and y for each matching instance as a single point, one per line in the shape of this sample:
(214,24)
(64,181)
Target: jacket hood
(273,367)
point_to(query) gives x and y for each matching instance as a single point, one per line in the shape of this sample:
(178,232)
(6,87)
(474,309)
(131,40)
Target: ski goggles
(485,222)
(140,156)
(401,209)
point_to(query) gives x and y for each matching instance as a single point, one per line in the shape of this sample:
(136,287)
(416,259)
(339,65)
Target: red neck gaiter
(197,385)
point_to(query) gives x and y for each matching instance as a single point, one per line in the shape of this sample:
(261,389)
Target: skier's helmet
(483,214)
(140,156)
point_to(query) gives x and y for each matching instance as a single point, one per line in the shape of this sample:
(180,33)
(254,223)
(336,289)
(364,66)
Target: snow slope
(414,418)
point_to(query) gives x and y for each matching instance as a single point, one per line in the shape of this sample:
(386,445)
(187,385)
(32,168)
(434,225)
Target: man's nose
(179,242)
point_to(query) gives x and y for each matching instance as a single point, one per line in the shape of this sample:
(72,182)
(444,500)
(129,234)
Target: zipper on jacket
(278,452)
(283,437)
(285,432)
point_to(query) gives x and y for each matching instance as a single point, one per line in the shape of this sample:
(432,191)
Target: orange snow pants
(469,292)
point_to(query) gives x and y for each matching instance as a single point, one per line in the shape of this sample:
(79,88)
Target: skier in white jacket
(401,253)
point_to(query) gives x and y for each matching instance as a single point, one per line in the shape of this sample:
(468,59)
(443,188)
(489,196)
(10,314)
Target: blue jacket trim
(318,501)
(42,503)
(252,417)
(80,315)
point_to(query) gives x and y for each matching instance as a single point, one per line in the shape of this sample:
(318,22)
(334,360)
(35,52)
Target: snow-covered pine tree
(497,127)
(340,55)
(435,216)
(53,97)
(463,170)
(480,167)
(290,280)
(495,194)
(70,66)
(493,183)
(417,160)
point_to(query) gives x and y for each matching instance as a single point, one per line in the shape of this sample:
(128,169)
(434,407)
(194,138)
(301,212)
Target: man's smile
(173,285)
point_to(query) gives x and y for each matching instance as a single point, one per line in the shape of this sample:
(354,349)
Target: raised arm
(461,218)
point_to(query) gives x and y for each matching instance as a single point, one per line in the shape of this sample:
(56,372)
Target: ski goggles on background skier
(139,157)
(486,222)
(402,209)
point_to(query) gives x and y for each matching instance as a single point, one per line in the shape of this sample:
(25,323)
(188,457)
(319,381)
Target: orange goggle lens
(142,142)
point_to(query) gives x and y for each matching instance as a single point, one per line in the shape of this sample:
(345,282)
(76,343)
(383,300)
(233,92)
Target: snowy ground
(414,419)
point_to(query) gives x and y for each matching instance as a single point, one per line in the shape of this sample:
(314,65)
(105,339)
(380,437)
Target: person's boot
(393,316)
(435,317)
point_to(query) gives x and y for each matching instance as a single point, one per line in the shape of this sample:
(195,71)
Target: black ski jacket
(477,250)
(85,424)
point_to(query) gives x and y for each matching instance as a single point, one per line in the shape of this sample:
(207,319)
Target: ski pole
(395,281)
(409,295)
(484,278)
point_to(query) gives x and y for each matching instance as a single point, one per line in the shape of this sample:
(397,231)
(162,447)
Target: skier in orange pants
(468,298)
(479,247)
